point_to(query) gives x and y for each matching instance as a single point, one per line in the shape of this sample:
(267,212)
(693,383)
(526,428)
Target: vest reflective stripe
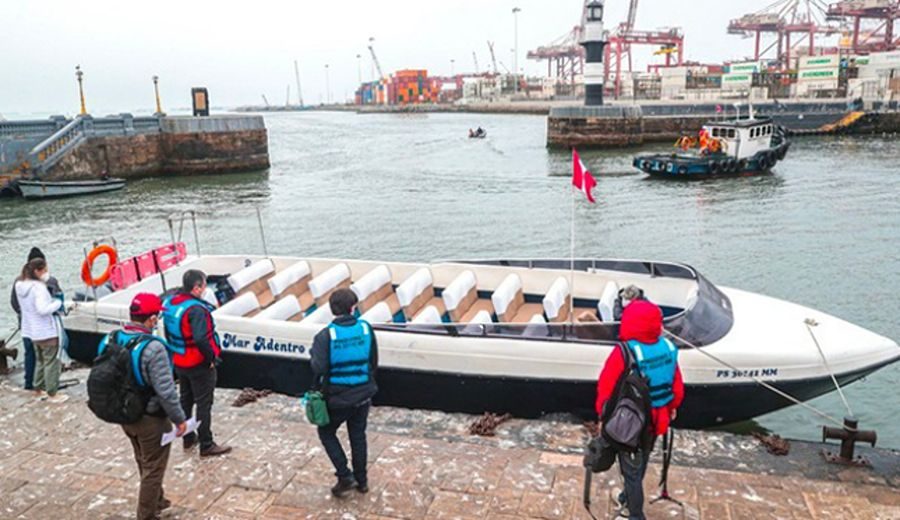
(349,353)
(123,338)
(657,363)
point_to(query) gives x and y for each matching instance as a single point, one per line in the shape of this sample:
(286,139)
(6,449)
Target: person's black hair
(142,318)
(192,278)
(342,301)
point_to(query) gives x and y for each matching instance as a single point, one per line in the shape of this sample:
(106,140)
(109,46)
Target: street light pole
(159,111)
(359,68)
(452,67)
(515,12)
(327,86)
(79,75)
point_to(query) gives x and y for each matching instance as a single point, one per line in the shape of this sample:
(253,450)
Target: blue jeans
(633,467)
(30,363)
(356,419)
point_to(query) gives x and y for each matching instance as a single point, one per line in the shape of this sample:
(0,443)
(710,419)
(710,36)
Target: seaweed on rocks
(249,395)
(486,425)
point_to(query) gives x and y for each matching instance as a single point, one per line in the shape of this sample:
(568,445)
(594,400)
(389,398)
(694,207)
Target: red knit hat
(145,304)
(641,321)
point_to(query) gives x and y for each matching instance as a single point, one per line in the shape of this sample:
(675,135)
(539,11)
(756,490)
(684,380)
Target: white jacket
(38,323)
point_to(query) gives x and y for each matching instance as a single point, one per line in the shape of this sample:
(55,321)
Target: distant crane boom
(632,15)
(475,59)
(375,58)
(493,57)
(266,101)
(297,77)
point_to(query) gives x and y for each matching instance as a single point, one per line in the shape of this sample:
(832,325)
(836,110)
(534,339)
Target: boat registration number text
(735,374)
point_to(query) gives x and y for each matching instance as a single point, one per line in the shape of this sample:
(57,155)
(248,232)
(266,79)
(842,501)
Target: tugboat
(731,147)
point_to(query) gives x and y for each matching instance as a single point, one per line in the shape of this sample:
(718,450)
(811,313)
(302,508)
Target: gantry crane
(493,56)
(882,12)
(375,58)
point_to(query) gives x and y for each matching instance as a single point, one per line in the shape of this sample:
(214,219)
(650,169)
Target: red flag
(581,177)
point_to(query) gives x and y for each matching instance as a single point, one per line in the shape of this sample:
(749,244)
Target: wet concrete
(59,461)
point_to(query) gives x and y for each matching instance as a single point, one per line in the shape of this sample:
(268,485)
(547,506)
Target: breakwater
(633,125)
(131,147)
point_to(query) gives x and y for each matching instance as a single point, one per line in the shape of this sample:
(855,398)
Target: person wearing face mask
(189,326)
(37,307)
(626,296)
(55,291)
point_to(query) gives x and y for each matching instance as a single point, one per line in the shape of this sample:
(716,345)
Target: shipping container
(819,62)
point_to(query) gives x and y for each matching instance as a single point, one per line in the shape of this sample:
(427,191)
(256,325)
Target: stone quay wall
(183,146)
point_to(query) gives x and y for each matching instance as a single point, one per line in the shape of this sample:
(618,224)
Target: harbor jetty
(127,146)
(61,462)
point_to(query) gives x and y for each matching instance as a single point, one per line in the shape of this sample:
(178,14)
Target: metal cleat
(849,435)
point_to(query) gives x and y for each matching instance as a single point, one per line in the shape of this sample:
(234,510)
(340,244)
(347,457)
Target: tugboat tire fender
(741,165)
(715,166)
(730,165)
(682,170)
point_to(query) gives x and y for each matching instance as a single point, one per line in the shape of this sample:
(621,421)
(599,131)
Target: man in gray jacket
(163,405)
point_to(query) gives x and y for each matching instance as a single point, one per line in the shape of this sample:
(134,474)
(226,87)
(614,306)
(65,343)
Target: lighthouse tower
(594,39)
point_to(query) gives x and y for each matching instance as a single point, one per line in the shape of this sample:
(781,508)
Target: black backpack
(627,415)
(113,393)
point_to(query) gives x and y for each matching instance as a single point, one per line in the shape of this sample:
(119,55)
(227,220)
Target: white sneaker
(58,398)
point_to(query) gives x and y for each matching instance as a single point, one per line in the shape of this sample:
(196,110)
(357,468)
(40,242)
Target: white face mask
(45,277)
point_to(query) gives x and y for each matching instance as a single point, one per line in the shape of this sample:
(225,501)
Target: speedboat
(730,147)
(525,337)
(38,189)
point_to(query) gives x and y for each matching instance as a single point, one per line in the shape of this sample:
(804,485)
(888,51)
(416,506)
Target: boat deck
(59,461)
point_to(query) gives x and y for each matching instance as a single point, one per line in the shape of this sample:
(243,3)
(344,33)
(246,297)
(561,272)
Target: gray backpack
(626,416)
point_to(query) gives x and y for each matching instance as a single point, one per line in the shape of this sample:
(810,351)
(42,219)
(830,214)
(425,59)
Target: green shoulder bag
(316,408)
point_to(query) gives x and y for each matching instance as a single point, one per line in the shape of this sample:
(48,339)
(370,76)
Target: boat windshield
(706,321)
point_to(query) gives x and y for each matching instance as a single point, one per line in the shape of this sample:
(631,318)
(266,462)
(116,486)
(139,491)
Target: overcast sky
(240,50)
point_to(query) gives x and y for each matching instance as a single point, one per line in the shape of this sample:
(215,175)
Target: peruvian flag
(581,177)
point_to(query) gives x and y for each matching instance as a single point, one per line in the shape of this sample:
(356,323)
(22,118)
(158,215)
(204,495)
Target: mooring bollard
(849,435)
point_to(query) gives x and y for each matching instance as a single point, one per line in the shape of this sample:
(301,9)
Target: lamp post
(79,75)
(359,68)
(452,67)
(515,13)
(159,111)
(327,86)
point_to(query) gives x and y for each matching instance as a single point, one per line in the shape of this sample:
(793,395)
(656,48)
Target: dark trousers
(197,387)
(356,419)
(633,467)
(30,363)
(151,459)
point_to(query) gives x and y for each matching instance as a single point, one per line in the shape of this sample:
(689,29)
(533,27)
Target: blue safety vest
(349,353)
(172,315)
(657,363)
(124,338)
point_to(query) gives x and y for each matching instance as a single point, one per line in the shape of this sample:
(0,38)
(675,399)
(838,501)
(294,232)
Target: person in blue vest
(163,406)
(344,358)
(657,360)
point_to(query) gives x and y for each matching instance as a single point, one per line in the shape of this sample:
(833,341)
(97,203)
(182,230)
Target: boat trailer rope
(762,383)
(810,323)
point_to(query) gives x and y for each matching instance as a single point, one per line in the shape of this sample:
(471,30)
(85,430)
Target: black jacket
(340,396)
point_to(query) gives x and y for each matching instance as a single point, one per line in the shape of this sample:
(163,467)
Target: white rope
(762,383)
(810,323)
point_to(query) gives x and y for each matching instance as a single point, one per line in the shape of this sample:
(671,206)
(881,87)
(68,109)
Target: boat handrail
(565,263)
(180,216)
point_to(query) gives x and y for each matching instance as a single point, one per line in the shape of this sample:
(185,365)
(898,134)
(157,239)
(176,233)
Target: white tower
(594,39)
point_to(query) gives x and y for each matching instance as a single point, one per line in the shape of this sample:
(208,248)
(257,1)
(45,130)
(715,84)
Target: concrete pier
(59,461)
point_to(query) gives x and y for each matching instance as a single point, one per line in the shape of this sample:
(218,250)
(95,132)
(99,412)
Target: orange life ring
(87,267)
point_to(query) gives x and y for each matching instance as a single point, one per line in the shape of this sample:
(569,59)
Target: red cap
(146,304)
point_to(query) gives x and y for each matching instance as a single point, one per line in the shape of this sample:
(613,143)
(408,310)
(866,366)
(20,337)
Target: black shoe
(343,486)
(189,441)
(363,488)
(164,504)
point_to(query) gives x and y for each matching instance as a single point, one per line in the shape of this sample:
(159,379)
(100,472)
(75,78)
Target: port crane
(475,59)
(375,58)
(884,13)
(297,77)
(493,56)
(265,101)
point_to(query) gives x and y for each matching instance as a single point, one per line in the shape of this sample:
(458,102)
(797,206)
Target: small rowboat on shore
(35,189)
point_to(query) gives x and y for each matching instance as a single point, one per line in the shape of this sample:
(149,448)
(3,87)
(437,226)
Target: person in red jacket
(657,360)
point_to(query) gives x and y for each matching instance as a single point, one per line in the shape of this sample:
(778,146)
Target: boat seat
(285,309)
(607,304)
(253,279)
(416,293)
(556,301)
(209,296)
(461,299)
(379,313)
(321,287)
(321,316)
(537,327)
(291,280)
(509,302)
(428,315)
(375,287)
(246,305)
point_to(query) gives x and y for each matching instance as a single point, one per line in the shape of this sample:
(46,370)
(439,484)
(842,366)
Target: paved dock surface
(58,461)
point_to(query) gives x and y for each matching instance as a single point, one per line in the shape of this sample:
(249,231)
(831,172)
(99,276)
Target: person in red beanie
(657,360)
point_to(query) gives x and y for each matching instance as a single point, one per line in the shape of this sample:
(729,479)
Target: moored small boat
(732,147)
(37,189)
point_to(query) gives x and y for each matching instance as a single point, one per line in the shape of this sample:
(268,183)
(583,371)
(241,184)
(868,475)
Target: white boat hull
(47,190)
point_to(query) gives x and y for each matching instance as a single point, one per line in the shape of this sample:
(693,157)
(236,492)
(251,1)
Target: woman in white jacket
(39,325)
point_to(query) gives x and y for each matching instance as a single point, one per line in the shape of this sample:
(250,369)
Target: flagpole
(572,264)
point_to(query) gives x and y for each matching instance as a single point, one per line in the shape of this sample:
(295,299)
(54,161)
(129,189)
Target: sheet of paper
(168,437)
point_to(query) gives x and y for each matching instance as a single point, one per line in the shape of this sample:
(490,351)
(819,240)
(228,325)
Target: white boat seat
(374,288)
(556,301)
(292,280)
(429,315)
(209,296)
(244,305)
(607,304)
(509,302)
(461,299)
(321,316)
(417,293)
(252,279)
(321,287)
(482,317)
(379,313)
(537,327)
(285,309)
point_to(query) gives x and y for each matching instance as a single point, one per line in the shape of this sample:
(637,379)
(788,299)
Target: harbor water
(821,230)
